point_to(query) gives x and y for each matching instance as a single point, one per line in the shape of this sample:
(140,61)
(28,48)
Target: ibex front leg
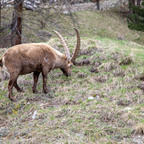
(44,74)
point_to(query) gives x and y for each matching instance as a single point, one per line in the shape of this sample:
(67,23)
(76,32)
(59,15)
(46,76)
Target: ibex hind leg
(35,77)
(17,87)
(13,78)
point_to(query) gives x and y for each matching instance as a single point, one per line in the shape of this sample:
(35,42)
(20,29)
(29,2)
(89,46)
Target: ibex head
(69,61)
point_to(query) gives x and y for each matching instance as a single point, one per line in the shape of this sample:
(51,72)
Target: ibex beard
(37,58)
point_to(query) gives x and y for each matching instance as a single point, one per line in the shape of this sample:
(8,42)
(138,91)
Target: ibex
(37,57)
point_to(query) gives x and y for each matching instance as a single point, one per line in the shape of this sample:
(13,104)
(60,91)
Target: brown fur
(26,58)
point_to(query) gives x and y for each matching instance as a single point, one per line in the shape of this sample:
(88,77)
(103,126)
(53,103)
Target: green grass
(67,115)
(70,117)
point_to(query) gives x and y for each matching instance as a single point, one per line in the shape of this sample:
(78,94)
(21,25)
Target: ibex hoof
(46,91)
(35,91)
(12,99)
(21,90)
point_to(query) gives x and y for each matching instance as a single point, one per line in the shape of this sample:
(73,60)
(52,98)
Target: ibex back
(37,57)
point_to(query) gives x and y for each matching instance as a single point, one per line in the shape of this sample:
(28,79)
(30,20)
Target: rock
(37,2)
(66,12)
(28,3)
(34,115)
(29,7)
(120,38)
(90,98)
(123,103)
(128,109)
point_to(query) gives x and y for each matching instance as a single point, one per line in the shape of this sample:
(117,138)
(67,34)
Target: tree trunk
(98,4)
(131,4)
(16,27)
(0,22)
(138,3)
(0,12)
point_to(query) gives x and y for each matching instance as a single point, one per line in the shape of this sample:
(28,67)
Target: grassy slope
(101,23)
(66,115)
(107,24)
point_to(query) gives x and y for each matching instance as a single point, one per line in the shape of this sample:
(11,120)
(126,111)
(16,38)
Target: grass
(90,23)
(110,71)
(67,115)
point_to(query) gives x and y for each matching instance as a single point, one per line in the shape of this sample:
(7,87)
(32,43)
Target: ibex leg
(35,77)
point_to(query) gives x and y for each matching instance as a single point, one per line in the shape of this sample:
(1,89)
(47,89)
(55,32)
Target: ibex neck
(60,61)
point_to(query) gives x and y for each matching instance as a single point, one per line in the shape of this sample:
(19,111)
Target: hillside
(90,23)
(102,102)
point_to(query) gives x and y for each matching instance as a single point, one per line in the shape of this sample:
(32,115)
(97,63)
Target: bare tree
(131,5)
(0,20)
(0,12)
(138,2)
(16,27)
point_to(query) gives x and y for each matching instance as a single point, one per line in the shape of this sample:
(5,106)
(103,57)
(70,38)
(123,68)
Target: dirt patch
(81,75)
(140,77)
(52,103)
(119,72)
(126,61)
(123,103)
(71,102)
(107,67)
(116,56)
(90,51)
(139,130)
(83,62)
(94,70)
(141,86)
(24,82)
(34,99)
(101,78)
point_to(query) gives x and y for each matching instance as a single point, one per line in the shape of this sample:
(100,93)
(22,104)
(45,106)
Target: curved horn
(77,46)
(64,44)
